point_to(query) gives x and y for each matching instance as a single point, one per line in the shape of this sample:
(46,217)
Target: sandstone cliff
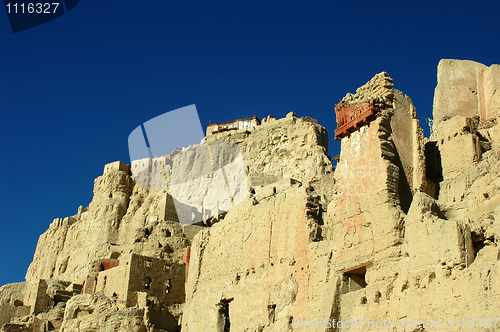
(405,230)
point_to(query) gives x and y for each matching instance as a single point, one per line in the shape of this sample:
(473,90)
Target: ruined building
(404,231)
(215,127)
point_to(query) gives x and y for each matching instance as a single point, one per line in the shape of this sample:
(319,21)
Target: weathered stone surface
(91,248)
(118,219)
(97,313)
(469,146)
(356,110)
(366,219)
(456,92)
(466,88)
(11,294)
(459,131)
(406,229)
(265,272)
(471,90)
(27,323)
(286,148)
(8,312)
(116,166)
(402,131)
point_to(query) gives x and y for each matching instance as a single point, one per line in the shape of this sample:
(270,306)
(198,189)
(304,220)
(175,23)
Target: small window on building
(271,309)
(354,279)
(167,286)
(147,283)
(224,314)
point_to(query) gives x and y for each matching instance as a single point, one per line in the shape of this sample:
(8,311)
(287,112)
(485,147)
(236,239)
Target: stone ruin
(405,230)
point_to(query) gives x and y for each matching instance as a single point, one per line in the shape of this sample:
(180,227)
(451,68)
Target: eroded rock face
(405,229)
(265,278)
(467,88)
(97,313)
(291,147)
(467,138)
(128,245)
(382,246)
(466,110)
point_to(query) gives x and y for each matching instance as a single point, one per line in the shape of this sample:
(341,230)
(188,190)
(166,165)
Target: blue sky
(72,90)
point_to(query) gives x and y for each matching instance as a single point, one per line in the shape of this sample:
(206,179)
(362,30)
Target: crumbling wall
(387,247)
(116,166)
(408,139)
(458,132)
(7,312)
(443,247)
(12,294)
(366,213)
(156,277)
(36,295)
(291,147)
(252,268)
(403,132)
(466,114)
(119,219)
(113,282)
(64,250)
(98,313)
(123,216)
(389,263)
(467,88)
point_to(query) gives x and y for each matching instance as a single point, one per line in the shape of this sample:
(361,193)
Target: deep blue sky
(73,89)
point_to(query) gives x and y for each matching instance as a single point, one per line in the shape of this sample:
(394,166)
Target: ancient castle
(402,235)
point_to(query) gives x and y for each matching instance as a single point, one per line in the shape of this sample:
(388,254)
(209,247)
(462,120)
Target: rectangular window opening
(224,314)
(354,279)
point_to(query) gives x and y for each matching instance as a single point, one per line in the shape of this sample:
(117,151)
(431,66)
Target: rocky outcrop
(466,113)
(99,313)
(286,148)
(467,88)
(262,280)
(128,228)
(382,247)
(404,233)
